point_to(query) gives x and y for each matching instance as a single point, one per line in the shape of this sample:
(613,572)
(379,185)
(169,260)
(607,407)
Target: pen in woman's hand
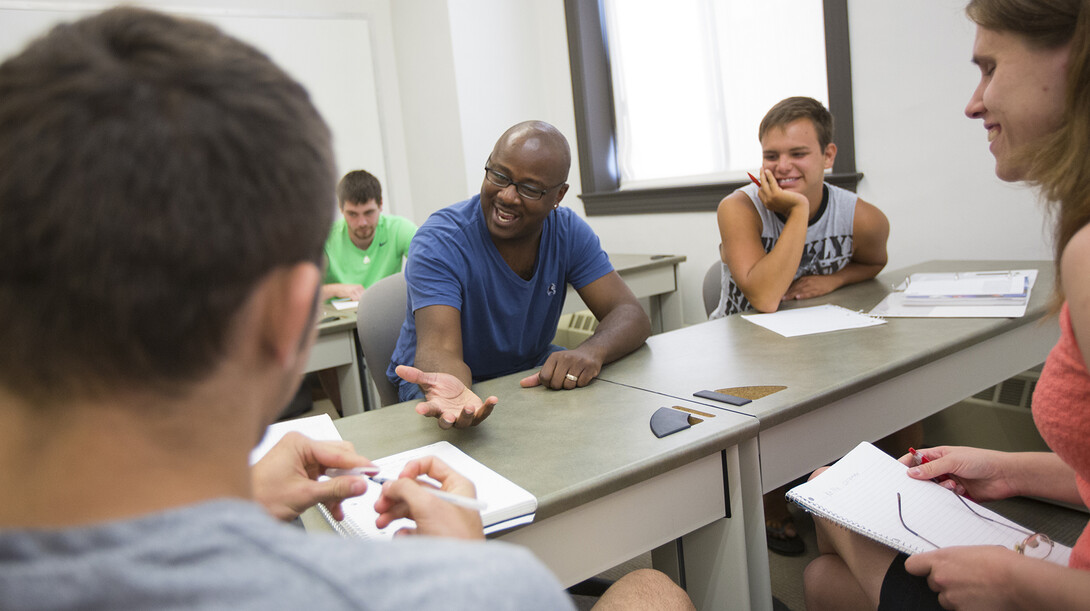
(923,460)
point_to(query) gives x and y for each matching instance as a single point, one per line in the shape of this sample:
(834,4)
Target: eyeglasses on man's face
(1035,545)
(524,190)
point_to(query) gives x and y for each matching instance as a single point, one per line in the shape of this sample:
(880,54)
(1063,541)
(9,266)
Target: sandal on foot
(778,539)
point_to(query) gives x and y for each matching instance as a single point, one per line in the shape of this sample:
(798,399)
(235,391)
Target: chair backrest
(713,287)
(378,323)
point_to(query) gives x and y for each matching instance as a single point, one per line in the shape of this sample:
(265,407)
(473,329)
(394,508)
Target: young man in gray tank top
(795,236)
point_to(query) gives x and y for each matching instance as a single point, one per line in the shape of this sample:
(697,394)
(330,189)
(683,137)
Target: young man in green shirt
(364,245)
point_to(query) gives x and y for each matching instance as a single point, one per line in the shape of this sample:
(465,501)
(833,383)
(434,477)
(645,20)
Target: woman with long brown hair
(1034,101)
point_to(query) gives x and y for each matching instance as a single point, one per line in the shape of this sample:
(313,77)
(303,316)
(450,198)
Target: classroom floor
(1064,525)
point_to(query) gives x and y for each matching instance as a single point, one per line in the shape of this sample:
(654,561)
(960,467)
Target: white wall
(430,110)
(507,62)
(925,164)
(341,50)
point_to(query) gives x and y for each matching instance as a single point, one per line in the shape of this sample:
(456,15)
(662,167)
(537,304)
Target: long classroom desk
(607,489)
(845,386)
(651,277)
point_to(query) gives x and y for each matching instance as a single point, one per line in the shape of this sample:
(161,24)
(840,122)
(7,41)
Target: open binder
(987,294)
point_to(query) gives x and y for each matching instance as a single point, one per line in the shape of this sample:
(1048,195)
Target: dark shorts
(903,590)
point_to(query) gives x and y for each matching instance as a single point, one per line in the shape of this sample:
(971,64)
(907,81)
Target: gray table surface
(817,369)
(566,447)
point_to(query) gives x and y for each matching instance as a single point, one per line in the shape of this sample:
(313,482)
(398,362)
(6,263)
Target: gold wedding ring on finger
(571,377)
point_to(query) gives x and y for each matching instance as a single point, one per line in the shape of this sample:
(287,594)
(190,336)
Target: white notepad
(859,492)
(345,304)
(507,502)
(817,319)
(319,428)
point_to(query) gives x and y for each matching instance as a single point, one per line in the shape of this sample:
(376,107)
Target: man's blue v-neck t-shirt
(508,323)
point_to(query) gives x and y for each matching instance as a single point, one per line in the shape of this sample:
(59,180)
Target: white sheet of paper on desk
(817,319)
(344,304)
(320,428)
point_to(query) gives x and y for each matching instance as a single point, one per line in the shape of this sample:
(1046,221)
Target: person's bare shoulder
(1073,263)
(737,209)
(869,221)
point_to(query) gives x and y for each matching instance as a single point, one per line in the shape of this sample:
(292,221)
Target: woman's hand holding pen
(406,497)
(981,474)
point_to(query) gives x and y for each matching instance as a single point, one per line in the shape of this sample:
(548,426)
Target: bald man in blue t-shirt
(487,279)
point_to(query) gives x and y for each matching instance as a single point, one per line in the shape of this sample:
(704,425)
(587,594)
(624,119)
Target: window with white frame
(691,80)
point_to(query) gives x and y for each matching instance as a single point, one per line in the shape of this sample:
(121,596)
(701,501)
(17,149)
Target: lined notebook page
(859,492)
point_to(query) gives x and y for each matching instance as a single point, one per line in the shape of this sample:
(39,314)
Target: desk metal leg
(654,312)
(665,312)
(760,581)
(371,399)
(351,391)
(714,560)
(338,351)
(671,313)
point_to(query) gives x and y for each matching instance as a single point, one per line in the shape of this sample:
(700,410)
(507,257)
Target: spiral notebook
(859,492)
(509,505)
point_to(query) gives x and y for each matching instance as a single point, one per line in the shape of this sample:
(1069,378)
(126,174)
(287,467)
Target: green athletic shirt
(350,265)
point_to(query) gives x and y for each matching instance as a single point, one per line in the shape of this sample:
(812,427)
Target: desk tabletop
(344,319)
(632,263)
(566,447)
(821,368)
